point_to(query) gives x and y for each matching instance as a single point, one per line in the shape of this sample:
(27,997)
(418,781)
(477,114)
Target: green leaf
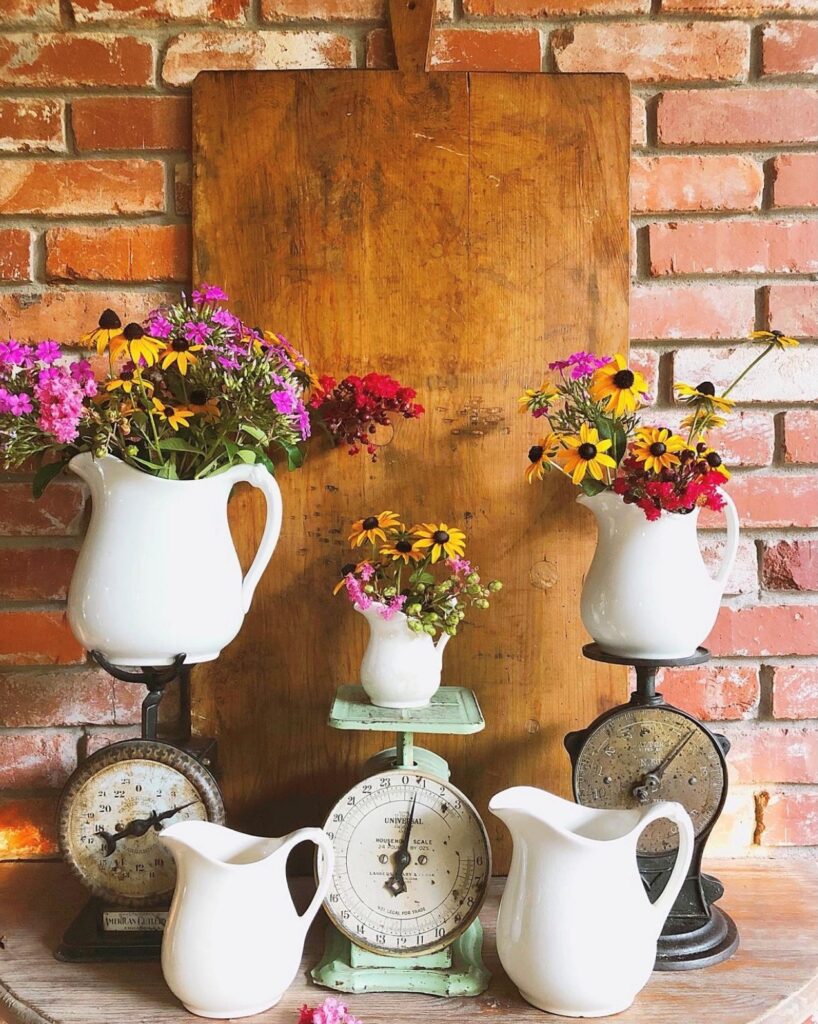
(591,486)
(267,462)
(247,455)
(255,432)
(613,431)
(168,471)
(45,474)
(178,444)
(295,457)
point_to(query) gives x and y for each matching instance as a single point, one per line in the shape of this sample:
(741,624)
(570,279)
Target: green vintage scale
(412,859)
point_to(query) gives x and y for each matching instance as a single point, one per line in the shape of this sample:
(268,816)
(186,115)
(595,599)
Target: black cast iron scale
(645,751)
(111,812)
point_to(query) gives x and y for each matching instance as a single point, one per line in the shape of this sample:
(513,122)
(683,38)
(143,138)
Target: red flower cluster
(352,409)
(695,481)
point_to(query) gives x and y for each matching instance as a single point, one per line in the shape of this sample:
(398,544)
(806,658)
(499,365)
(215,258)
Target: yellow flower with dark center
(176,416)
(201,405)
(618,386)
(401,545)
(109,327)
(179,351)
(127,380)
(140,346)
(585,453)
(656,447)
(539,455)
(533,399)
(703,394)
(438,539)
(713,461)
(777,338)
(372,528)
(703,420)
(350,567)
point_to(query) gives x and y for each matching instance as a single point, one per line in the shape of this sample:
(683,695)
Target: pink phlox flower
(49,373)
(17,405)
(462,566)
(48,351)
(581,364)
(13,353)
(209,293)
(356,592)
(82,372)
(61,407)
(159,326)
(196,332)
(331,1011)
(228,362)
(284,401)
(303,420)
(224,318)
(392,607)
(367,571)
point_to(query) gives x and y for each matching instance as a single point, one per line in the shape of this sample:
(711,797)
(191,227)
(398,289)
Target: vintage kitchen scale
(645,751)
(111,812)
(412,859)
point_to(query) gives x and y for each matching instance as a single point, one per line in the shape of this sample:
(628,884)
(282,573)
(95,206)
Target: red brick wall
(94,207)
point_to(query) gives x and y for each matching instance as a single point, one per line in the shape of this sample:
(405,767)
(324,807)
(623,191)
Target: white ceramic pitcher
(233,941)
(400,668)
(158,574)
(648,593)
(576,932)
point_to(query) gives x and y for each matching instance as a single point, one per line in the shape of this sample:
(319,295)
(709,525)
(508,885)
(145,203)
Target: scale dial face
(112,812)
(638,756)
(401,888)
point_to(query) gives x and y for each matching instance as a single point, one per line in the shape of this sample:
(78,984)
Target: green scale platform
(458,969)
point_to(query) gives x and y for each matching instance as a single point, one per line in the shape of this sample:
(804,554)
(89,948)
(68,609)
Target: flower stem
(747,369)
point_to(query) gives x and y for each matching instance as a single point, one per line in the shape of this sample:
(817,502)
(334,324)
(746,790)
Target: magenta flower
(159,326)
(50,373)
(48,351)
(367,572)
(284,401)
(61,407)
(331,1011)
(196,332)
(13,353)
(303,421)
(581,364)
(392,607)
(209,293)
(356,592)
(224,318)
(459,565)
(17,405)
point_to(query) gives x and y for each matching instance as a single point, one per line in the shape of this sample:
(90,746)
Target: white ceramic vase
(648,593)
(233,940)
(576,932)
(400,668)
(158,574)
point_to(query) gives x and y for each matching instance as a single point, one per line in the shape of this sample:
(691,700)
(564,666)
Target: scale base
(682,948)
(86,941)
(457,971)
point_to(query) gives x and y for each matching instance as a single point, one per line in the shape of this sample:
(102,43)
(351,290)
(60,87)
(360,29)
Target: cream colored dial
(412,863)
(639,756)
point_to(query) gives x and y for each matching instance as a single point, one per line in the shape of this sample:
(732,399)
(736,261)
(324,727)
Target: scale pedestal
(458,969)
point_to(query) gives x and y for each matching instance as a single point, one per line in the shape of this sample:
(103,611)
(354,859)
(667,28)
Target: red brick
(723,182)
(15,254)
(31,125)
(646,362)
(790,565)
(65,313)
(692,311)
(35,759)
(191,52)
(183,189)
(801,436)
(323,10)
(712,692)
(35,574)
(740,8)
(771,499)
(639,121)
(48,698)
(56,514)
(132,122)
(738,117)
(788,375)
(794,309)
(743,578)
(99,738)
(776,753)
(789,48)
(747,440)
(380,50)
(158,11)
(795,691)
(45,13)
(77,187)
(54,60)
(141,252)
(790,819)
(28,827)
(760,630)
(656,51)
(734,247)
(553,8)
(37,638)
(473,50)
(795,179)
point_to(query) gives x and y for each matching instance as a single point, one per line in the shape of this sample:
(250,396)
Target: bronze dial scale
(645,751)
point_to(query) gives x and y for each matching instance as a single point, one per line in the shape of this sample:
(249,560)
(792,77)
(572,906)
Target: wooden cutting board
(457,231)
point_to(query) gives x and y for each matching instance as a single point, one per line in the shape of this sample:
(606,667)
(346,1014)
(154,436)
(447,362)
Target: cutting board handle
(411,22)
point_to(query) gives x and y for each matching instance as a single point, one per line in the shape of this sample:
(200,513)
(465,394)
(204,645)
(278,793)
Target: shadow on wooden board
(458,231)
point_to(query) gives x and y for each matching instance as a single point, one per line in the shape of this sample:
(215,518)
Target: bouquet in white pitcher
(597,437)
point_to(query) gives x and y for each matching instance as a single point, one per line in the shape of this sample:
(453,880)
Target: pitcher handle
(324,844)
(679,816)
(731,547)
(261,478)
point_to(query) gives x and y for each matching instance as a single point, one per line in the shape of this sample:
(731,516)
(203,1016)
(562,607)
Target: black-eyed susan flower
(537,400)
(202,405)
(128,379)
(109,326)
(703,394)
(705,455)
(350,567)
(175,416)
(438,539)
(401,546)
(180,351)
(618,386)
(141,346)
(585,453)
(777,338)
(372,528)
(657,448)
(539,455)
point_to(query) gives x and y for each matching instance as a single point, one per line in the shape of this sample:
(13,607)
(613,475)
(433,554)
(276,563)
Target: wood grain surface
(458,231)
(773,979)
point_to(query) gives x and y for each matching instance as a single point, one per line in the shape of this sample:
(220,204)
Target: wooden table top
(773,979)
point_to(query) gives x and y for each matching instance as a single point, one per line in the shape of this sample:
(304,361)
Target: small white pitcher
(400,668)
(233,940)
(576,932)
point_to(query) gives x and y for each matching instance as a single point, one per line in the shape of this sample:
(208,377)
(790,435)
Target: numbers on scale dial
(412,863)
(643,755)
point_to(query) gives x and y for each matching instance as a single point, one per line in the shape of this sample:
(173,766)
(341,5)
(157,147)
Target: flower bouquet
(414,590)
(648,593)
